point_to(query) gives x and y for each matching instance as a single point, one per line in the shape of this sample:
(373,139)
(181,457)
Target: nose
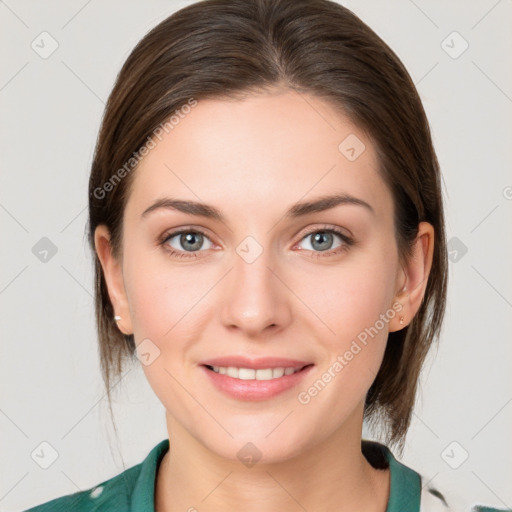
(256,300)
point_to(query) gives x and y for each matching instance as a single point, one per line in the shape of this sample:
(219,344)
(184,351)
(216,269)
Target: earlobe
(417,271)
(112,270)
(401,318)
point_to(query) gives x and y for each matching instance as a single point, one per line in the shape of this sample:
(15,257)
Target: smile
(255,384)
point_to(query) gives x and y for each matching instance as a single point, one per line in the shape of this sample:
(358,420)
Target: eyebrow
(297,210)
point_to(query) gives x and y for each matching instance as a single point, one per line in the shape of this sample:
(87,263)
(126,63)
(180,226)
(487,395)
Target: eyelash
(347,242)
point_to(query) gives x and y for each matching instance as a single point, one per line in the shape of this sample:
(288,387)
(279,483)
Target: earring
(402,321)
(117,318)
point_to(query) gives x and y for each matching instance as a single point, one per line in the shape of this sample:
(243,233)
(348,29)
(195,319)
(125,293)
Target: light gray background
(50,110)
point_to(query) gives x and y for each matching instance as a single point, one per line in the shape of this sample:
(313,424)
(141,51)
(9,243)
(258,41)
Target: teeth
(232,372)
(245,374)
(264,374)
(277,372)
(252,374)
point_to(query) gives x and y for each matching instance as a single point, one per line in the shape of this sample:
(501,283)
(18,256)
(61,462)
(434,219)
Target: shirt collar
(405,485)
(143,494)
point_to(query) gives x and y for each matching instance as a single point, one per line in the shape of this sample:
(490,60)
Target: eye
(189,243)
(185,243)
(330,241)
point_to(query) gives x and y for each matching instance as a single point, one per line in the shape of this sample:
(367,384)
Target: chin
(254,447)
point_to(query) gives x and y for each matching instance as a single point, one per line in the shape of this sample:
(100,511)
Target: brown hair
(228,48)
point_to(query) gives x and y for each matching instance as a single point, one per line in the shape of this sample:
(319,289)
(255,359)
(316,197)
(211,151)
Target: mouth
(256,380)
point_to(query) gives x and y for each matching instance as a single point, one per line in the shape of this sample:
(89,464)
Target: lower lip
(255,389)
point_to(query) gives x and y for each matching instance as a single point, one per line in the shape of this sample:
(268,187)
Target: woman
(267,225)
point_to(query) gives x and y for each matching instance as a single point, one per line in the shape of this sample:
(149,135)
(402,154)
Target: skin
(253,159)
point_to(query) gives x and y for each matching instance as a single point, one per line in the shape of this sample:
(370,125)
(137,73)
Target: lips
(255,379)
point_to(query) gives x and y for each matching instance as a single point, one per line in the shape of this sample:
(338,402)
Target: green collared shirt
(134,489)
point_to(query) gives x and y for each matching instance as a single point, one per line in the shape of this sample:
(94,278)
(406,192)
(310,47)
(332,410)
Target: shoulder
(409,489)
(111,495)
(439,500)
(133,489)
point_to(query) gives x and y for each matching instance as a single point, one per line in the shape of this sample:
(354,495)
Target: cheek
(162,299)
(355,302)
(353,297)
(358,313)
(164,304)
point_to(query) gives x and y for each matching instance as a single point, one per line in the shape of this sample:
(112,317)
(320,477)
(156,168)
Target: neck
(331,476)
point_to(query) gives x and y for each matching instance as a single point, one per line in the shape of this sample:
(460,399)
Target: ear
(413,278)
(112,270)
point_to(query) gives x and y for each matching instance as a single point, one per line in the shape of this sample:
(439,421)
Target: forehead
(260,153)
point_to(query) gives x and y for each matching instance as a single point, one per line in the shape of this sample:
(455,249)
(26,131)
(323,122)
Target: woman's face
(265,284)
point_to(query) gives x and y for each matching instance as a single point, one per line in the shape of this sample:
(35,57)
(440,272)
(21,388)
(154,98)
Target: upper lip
(257,363)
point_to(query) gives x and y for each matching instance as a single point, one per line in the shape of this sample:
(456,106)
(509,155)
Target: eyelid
(326,227)
(185,229)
